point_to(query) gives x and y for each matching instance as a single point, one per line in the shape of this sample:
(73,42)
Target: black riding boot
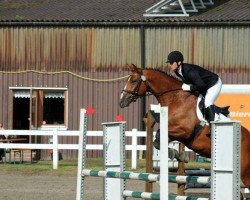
(156,142)
(210,114)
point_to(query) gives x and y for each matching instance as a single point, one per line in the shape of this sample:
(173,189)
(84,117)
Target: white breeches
(213,93)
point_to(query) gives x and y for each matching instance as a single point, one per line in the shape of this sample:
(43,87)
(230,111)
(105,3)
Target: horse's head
(135,87)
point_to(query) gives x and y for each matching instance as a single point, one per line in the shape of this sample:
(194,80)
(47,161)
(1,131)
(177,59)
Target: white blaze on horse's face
(124,88)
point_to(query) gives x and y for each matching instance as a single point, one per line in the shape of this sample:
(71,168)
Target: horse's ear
(133,68)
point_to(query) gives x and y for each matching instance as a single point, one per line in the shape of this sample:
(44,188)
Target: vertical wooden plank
(150,122)
(181,171)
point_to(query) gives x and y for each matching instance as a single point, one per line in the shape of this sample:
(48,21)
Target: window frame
(40,91)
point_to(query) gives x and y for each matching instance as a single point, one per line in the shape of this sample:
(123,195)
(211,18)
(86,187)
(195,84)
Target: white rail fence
(55,146)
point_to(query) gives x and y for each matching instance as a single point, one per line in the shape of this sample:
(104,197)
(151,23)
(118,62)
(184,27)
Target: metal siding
(222,48)
(160,41)
(77,49)
(211,47)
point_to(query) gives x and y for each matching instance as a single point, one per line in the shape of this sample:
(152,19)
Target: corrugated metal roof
(114,11)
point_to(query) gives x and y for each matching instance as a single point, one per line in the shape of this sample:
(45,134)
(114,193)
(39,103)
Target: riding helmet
(175,56)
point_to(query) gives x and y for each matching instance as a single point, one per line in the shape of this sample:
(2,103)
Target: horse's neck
(168,90)
(161,83)
(177,98)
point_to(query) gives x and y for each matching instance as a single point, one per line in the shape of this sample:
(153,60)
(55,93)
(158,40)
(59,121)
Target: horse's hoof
(171,154)
(184,158)
(156,145)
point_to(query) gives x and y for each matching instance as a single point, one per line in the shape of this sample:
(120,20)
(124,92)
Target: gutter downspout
(143,53)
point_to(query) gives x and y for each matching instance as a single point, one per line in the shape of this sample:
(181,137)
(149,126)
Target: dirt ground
(51,186)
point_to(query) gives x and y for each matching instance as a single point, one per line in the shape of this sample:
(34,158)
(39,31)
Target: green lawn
(70,166)
(65,166)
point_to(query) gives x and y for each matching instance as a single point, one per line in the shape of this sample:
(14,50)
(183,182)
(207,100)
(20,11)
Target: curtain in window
(22,94)
(54,95)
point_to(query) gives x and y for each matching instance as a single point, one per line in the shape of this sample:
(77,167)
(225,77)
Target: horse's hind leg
(172,153)
(245,157)
(181,157)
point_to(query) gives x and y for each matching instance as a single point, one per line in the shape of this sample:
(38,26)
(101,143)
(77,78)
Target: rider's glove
(185,87)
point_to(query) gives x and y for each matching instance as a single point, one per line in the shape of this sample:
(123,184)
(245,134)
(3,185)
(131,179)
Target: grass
(205,165)
(68,167)
(65,167)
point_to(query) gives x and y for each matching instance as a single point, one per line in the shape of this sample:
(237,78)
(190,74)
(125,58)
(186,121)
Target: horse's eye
(133,81)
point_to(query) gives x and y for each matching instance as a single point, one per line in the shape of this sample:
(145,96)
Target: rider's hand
(185,87)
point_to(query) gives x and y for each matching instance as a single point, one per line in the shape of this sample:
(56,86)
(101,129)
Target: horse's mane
(166,73)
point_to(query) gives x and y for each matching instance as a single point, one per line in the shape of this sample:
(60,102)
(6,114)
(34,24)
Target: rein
(168,91)
(135,95)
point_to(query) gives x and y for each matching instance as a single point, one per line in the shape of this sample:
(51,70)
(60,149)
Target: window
(43,107)
(53,108)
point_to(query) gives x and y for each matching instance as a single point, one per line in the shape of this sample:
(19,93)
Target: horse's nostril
(122,105)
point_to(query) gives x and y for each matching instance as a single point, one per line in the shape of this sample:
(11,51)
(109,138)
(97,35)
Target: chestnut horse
(182,112)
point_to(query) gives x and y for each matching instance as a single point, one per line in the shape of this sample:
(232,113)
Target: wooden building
(59,56)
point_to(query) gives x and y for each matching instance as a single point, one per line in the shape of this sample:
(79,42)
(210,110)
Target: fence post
(134,149)
(81,154)
(150,122)
(225,168)
(181,171)
(55,149)
(164,153)
(114,158)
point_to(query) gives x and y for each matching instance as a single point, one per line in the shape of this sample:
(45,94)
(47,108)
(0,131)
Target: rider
(197,79)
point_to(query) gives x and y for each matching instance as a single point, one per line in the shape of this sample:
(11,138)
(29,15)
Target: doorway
(21,110)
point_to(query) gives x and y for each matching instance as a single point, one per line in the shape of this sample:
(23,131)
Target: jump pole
(225,166)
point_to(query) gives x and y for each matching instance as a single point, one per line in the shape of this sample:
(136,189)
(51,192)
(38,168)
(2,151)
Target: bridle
(134,94)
